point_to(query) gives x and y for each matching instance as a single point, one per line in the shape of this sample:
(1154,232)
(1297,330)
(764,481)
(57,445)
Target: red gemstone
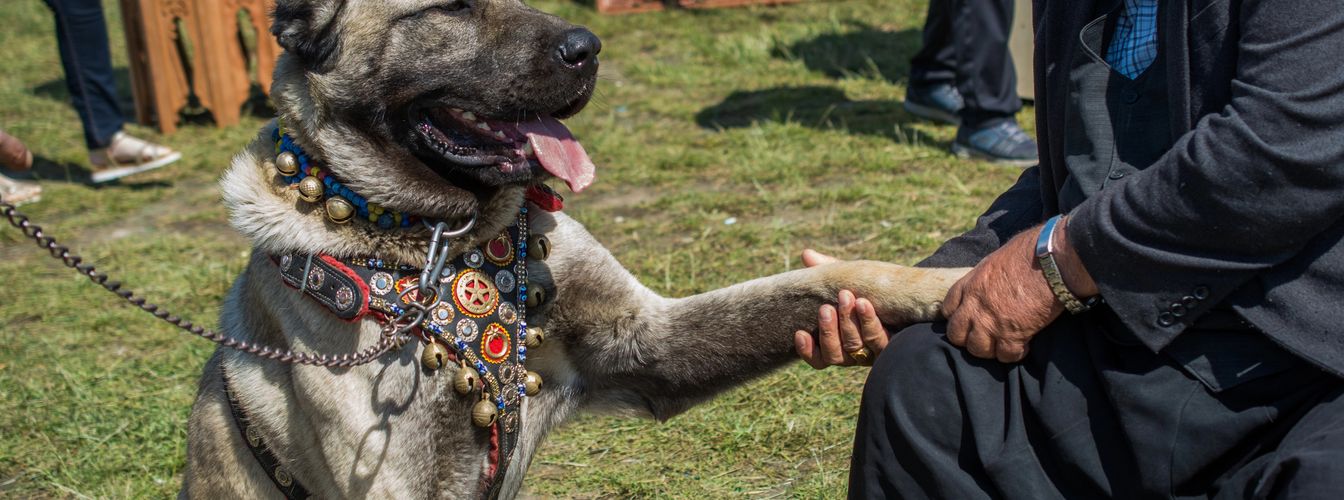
(496,346)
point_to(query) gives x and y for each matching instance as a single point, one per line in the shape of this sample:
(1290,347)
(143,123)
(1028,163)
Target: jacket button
(1177,310)
(1201,292)
(1130,96)
(1165,319)
(1115,174)
(1189,301)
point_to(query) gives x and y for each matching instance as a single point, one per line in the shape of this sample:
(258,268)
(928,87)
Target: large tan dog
(446,110)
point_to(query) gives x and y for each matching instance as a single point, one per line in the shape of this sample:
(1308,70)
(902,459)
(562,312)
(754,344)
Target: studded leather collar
(478,315)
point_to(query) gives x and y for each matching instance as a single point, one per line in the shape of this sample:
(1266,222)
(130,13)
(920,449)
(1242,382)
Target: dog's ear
(307,29)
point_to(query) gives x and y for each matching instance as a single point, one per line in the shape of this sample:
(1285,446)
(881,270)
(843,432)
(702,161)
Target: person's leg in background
(932,90)
(988,84)
(81,32)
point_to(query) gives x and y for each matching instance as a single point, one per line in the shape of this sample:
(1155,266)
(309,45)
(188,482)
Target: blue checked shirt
(1134,44)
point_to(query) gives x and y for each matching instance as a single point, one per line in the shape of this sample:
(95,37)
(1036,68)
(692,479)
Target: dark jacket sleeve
(1015,210)
(1245,190)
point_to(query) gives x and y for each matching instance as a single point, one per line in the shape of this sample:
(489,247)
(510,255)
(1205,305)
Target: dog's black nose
(578,46)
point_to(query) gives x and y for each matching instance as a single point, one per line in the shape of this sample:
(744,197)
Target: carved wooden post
(158,77)
(209,60)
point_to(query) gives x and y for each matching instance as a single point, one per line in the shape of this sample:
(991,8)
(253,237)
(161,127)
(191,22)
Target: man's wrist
(1071,268)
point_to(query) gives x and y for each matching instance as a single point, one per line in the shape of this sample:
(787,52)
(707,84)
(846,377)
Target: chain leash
(394,334)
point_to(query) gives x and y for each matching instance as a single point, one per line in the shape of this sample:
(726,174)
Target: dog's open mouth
(466,139)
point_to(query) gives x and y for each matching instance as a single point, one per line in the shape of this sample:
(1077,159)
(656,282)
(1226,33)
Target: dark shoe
(1003,143)
(939,103)
(13,154)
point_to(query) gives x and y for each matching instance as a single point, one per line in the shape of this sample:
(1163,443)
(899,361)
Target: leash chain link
(393,335)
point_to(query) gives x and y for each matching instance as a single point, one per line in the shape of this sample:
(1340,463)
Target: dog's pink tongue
(558,152)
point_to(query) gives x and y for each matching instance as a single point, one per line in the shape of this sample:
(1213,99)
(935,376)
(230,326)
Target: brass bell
(536,296)
(532,383)
(339,210)
(465,381)
(434,356)
(535,336)
(539,247)
(311,189)
(483,413)
(287,164)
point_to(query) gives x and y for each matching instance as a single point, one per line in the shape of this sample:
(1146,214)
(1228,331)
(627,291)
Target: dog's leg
(631,348)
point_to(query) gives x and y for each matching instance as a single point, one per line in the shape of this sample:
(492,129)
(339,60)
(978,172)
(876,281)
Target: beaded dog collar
(316,184)
(475,316)
(342,203)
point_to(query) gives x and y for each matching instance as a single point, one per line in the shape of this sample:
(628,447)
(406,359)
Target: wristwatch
(1045,255)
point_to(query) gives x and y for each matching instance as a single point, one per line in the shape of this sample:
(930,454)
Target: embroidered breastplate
(475,317)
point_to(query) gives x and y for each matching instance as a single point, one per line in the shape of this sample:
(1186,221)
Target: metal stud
(465,381)
(535,336)
(536,296)
(339,210)
(434,356)
(311,189)
(483,414)
(539,247)
(287,164)
(532,383)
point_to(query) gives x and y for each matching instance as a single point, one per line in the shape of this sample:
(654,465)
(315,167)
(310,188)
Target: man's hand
(1001,304)
(840,330)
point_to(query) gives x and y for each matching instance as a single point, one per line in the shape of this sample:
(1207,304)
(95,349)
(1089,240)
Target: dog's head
(433,106)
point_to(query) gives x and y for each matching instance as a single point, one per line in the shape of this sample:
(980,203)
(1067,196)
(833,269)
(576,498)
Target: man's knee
(913,372)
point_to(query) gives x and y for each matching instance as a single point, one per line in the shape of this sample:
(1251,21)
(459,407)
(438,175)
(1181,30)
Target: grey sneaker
(1004,143)
(939,103)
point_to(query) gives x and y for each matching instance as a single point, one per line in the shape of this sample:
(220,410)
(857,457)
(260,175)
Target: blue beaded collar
(364,209)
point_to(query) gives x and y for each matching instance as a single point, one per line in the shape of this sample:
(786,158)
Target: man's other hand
(1001,304)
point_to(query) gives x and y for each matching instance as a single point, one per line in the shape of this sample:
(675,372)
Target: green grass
(786,120)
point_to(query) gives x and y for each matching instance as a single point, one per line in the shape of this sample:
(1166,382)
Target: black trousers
(966,44)
(81,33)
(1091,413)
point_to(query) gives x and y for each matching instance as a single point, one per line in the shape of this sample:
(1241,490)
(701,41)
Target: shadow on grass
(815,106)
(48,170)
(867,51)
(257,104)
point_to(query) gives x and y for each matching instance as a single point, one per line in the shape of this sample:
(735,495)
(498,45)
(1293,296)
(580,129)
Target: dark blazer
(1246,209)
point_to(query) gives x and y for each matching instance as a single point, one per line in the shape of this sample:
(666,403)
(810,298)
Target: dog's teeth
(527,149)
(499,135)
(483,126)
(469,116)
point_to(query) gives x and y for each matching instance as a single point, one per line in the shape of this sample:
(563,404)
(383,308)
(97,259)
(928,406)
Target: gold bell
(483,413)
(539,247)
(311,189)
(535,336)
(536,296)
(465,381)
(287,164)
(532,383)
(339,210)
(434,356)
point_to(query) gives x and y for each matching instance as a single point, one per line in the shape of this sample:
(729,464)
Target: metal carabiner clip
(438,252)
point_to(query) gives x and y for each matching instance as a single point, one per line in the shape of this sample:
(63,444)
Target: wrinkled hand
(840,330)
(997,308)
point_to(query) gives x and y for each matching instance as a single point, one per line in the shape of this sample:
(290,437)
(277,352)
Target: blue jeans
(81,31)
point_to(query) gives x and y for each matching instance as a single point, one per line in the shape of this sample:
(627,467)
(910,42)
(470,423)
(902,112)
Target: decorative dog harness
(474,312)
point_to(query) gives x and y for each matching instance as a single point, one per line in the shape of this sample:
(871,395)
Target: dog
(411,131)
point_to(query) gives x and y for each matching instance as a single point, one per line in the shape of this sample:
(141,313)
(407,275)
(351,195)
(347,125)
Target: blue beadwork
(333,187)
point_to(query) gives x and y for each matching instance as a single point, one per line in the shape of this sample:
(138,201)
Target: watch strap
(1045,256)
